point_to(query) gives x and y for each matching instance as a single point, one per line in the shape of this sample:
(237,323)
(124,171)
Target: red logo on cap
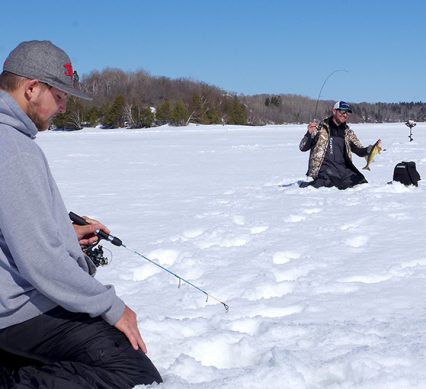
(68,68)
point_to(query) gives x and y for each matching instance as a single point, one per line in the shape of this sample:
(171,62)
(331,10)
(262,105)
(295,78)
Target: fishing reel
(96,253)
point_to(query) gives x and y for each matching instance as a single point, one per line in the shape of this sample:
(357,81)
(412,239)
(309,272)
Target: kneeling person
(331,143)
(59,326)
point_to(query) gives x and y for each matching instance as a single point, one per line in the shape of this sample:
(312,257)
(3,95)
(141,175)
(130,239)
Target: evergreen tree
(213,116)
(60,121)
(113,117)
(142,117)
(179,115)
(146,117)
(198,108)
(236,112)
(91,116)
(275,100)
(163,113)
(72,118)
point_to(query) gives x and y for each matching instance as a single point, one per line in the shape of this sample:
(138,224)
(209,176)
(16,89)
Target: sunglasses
(343,112)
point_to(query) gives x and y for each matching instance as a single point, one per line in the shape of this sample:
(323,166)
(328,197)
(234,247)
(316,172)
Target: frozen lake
(326,288)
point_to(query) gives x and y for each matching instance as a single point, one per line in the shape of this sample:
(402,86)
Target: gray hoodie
(41,262)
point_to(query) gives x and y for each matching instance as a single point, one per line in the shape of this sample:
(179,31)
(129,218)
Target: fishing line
(322,87)
(117,242)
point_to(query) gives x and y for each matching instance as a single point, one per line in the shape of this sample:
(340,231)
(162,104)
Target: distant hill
(137,100)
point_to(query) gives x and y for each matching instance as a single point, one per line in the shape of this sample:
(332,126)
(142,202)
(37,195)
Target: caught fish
(376,149)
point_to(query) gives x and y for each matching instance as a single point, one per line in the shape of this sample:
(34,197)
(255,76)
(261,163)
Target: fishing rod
(118,242)
(322,87)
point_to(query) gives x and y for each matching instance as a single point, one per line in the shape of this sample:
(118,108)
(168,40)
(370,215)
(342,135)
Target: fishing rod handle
(101,234)
(77,219)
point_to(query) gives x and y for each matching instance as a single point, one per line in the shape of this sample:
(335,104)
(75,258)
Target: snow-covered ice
(326,288)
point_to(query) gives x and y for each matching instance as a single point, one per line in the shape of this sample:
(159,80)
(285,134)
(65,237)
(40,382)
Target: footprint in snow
(348,226)
(228,242)
(164,257)
(292,274)
(357,241)
(193,233)
(353,225)
(399,271)
(258,229)
(336,288)
(413,263)
(224,351)
(239,220)
(368,279)
(143,272)
(282,257)
(270,311)
(398,216)
(223,202)
(245,325)
(311,211)
(208,214)
(294,218)
(234,242)
(267,291)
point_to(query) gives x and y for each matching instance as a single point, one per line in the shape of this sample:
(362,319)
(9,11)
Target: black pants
(342,183)
(65,350)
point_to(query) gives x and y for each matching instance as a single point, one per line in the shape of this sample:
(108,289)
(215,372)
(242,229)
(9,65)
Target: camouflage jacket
(318,144)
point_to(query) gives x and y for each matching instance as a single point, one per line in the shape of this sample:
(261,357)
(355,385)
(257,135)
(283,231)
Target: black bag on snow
(406,173)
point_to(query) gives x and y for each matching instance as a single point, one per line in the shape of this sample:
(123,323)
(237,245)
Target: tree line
(138,100)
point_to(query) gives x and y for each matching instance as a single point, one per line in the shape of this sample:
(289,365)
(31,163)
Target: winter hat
(343,106)
(43,61)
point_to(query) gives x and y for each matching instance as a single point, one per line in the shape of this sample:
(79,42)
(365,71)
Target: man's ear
(31,89)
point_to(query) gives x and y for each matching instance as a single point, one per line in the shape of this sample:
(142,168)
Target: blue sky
(242,46)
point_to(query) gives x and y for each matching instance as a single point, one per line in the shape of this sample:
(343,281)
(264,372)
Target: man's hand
(312,127)
(86,234)
(128,325)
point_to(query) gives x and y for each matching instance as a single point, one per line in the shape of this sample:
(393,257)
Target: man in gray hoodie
(59,326)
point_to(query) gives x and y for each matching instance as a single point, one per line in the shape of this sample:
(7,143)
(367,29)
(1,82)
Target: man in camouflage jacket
(331,144)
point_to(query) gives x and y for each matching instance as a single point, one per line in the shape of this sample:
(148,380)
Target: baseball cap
(343,106)
(43,61)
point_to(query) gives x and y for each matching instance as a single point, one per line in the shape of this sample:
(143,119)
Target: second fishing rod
(322,87)
(118,242)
